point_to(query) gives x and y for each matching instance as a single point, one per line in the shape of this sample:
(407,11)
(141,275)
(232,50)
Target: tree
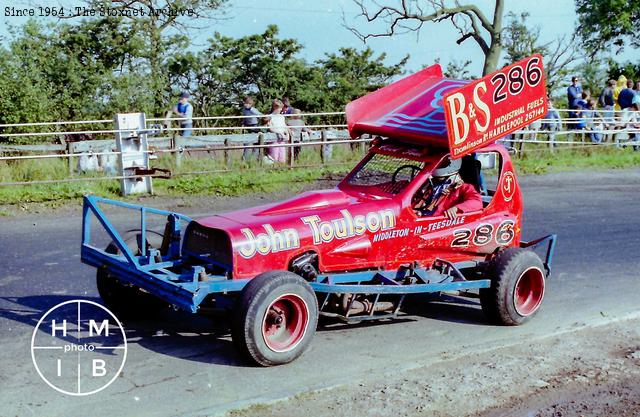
(608,23)
(164,26)
(267,67)
(458,70)
(629,69)
(521,41)
(468,19)
(69,72)
(593,75)
(350,74)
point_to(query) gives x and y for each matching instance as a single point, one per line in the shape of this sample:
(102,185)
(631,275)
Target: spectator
(607,102)
(593,121)
(184,110)
(552,123)
(626,96)
(629,119)
(584,99)
(278,125)
(250,123)
(298,129)
(286,108)
(579,122)
(574,93)
(622,82)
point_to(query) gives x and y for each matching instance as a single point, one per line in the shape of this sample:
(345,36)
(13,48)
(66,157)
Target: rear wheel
(275,318)
(517,287)
(123,299)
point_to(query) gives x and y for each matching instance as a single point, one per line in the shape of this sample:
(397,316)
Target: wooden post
(291,141)
(227,154)
(323,147)
(178,145)
(260,150)
(70,158)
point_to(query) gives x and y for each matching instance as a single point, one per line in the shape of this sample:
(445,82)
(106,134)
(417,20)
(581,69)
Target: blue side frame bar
(188,287)
(551,248)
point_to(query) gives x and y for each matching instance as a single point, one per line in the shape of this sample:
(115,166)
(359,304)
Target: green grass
(538,160)
(242,178)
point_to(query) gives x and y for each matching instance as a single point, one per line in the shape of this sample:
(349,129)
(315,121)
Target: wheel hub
(285,323)
(529,291)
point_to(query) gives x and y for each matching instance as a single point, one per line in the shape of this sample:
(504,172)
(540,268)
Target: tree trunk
(495,48)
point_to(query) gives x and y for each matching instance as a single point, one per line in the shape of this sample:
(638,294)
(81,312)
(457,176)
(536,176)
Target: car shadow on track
(447,307)
(207,339)
(177,334)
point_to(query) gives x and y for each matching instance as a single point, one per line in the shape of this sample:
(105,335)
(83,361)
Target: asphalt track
(178,365)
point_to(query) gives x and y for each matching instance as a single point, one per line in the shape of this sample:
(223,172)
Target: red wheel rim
(285,323)
(529,291)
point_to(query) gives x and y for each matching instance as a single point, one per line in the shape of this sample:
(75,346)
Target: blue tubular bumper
(550,240)
(164,276)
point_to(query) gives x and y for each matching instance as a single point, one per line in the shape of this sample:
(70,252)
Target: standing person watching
(184,110)
(574,93)
(620,85)
(250,123)
(277,125)
(297,127)
(286,106)
(606,100)
(625,98)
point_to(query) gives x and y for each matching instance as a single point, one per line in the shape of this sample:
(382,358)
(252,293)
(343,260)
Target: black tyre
(123,299)
(517,287)
(275,318)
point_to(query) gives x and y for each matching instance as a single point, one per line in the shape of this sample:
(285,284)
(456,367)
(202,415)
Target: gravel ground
(592,372)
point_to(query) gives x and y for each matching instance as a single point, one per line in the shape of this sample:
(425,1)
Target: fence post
(291,150)
(177,145)
(227,154)
(323,139)
(70,158)
(260,150)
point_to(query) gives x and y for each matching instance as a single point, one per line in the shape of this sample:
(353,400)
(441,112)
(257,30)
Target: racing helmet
(447,169)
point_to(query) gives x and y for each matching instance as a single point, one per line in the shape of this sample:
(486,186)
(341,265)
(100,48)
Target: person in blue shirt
(184,110)
(574,93)
(250,122)
(625,98)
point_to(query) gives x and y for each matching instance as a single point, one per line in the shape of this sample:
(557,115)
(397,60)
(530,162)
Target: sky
(319,26)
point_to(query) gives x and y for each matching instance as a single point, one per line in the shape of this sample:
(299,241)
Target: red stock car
(352,253)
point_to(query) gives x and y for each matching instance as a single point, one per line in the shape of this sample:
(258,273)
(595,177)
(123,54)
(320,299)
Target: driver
(446,193)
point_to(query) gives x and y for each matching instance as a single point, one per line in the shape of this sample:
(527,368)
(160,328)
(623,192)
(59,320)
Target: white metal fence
(597,128)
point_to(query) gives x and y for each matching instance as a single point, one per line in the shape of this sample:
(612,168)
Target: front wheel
(275,318)
(123,299)
(517,287)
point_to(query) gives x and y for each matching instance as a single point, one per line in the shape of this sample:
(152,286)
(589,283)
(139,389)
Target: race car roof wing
(408,109)
(460,115)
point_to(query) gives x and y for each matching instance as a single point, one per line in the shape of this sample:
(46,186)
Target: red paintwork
(410,108)
(495,105)
(529,291)
(361,251)
(364,227)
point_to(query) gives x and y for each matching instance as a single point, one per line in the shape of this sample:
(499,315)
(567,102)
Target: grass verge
(243,178)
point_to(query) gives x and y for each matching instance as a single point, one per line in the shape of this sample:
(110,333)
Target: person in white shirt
(278,125)
(629,120)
